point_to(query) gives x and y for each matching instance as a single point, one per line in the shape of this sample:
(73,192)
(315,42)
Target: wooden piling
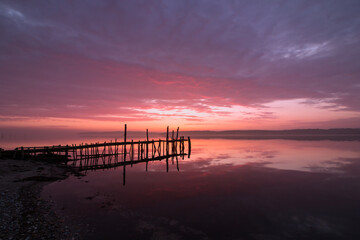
(189,147)
(125,129)
(167,140)
(147,143)
(177,136)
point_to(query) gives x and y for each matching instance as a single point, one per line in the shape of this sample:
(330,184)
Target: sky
(216,65)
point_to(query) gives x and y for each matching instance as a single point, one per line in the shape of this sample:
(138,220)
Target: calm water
(228,189)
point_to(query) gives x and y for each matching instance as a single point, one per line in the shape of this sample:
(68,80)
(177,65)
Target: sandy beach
(23,214)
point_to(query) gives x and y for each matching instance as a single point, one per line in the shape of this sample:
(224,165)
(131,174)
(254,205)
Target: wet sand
(23,214)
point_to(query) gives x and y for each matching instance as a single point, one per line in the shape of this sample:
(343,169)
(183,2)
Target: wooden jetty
(76,155)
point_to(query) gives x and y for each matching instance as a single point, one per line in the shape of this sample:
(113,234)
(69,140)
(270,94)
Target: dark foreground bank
(23,214)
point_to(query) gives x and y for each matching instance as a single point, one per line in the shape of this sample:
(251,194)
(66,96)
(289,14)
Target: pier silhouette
(112,154)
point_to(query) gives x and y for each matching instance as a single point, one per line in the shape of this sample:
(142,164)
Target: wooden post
(167,140)
(177,136)
(189,147)
(147,143)
(173,143)
(125,145)
(183,147)
(124,171)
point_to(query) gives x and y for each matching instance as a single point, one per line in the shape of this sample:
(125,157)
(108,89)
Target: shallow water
(228,189)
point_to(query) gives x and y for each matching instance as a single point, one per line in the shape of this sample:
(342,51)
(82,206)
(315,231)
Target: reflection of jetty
(109,162)
(84,154)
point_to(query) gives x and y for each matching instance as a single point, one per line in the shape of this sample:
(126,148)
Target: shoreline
(23,213)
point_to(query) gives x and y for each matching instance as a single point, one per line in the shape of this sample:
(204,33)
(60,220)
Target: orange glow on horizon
(273,116)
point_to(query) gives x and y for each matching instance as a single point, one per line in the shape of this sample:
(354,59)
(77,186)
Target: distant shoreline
(295,134)
(335,134)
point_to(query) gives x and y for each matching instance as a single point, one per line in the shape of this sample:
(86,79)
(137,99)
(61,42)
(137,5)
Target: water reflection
(279,154)
(113,162)
(109,155)
(229,189)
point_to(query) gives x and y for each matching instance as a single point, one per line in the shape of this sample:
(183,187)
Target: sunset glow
(198,65)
